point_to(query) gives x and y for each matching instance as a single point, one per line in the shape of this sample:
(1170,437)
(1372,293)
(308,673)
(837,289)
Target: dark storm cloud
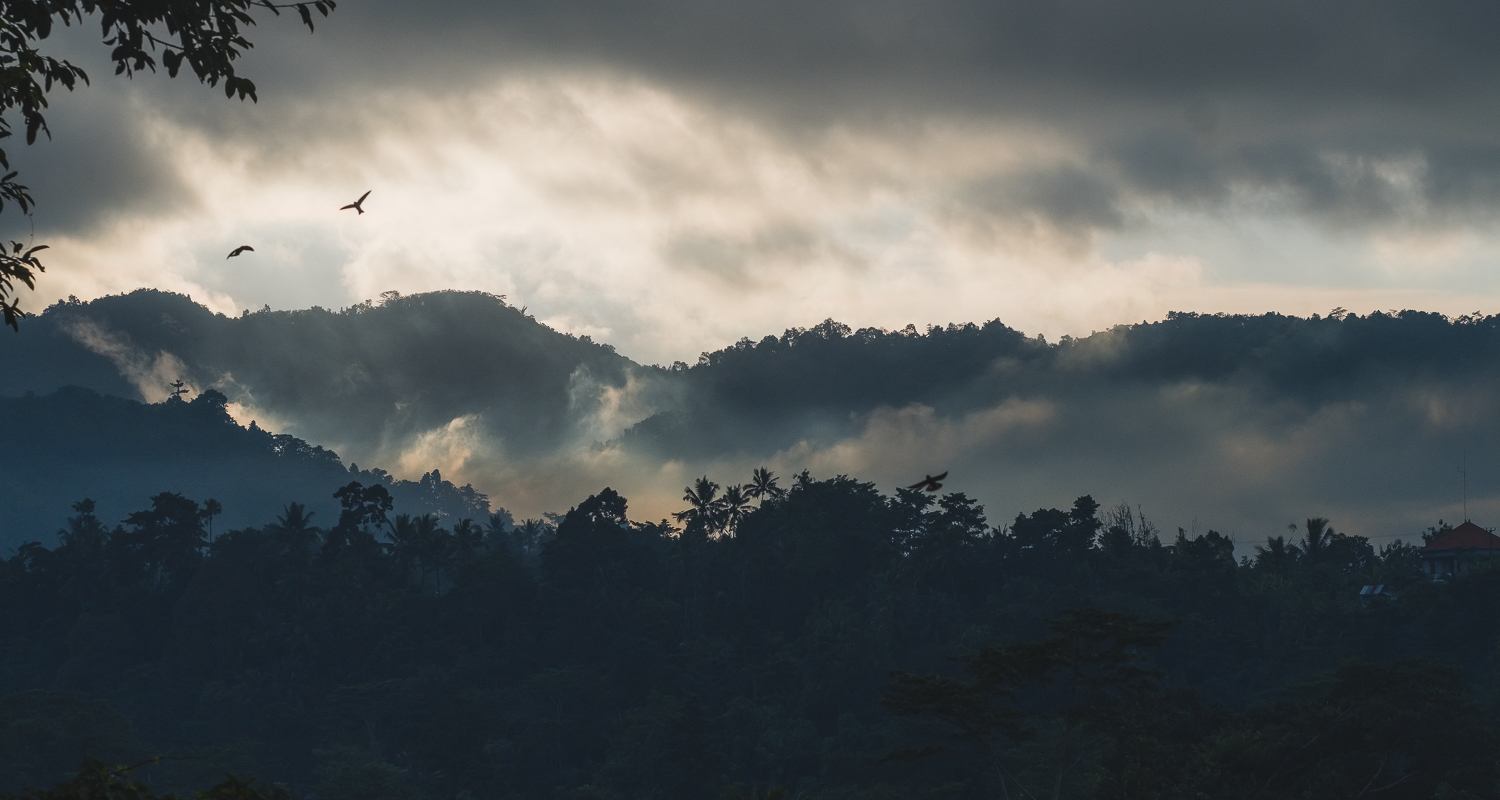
(100,164)
(1070,199)
(1181,101)
(1172,101)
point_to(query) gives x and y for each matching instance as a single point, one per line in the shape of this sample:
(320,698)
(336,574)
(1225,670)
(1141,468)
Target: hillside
(368,373)
(75,443)
(1237,422)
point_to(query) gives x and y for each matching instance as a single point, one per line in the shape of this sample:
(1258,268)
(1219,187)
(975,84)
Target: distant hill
(368,374)
(1245,423)
(75,443)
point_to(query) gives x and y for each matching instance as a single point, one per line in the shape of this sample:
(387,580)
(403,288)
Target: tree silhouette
(763,485)
(363,511)
(294,531)
(468,539)
(405,543)
(211,508)
(84,532)
(701,517)
(165,542)
(1316,539)
(1276,555)
(625,650)
(433,551)
(733,506)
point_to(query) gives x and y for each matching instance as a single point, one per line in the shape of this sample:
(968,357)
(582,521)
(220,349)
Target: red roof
(1467,536)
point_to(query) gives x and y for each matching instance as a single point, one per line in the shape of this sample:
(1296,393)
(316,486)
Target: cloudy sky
(670,175)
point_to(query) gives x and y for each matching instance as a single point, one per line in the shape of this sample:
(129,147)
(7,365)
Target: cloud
(762,257)
(149,373)
(1066,204)
(1238,423)
(449,448)
(104,162)
(684,174)
(890,437)
(604,409)
(1183,100)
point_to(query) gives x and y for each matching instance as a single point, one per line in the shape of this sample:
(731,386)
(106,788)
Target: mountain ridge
(76,443)
(1248,421)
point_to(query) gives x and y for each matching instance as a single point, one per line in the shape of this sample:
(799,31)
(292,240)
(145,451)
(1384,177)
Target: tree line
(779,637)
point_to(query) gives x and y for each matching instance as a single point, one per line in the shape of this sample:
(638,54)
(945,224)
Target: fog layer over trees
(1234,422)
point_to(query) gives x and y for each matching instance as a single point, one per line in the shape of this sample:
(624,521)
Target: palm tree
(702,514)
(468,537)
(294,527)
(432,550)
(294,518)
(1276,554)
(211,509)
(405,544)
(733,507)
(527,538)
(763,485)
(1315,543)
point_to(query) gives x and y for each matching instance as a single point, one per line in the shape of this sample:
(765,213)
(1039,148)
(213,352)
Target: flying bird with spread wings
(931,483)
(357,205)
(244,248)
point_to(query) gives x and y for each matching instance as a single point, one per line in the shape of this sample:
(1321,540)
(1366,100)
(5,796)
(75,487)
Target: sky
(670,176)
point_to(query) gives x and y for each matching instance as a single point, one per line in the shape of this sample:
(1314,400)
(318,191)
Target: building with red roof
(1456,551)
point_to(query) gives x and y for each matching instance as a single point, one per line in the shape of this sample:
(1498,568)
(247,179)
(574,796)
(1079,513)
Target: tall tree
(166,540)
(294,532)
(701,517)
(1315,541)
(211,508)
(363,511)
(733,507)
(1276,555)
(763,485)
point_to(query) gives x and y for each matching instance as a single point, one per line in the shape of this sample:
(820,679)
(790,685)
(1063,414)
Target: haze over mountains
(1241,424)
(74,443)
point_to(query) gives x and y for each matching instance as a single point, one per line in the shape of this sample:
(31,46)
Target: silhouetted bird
(357,205)
(244,248)
(931,483)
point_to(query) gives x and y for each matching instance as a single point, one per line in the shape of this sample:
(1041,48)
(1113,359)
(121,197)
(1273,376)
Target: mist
(1240,424)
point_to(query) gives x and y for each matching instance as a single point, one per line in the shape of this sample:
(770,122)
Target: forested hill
(1241,423)
(747,392)
(75,444)
(368,373)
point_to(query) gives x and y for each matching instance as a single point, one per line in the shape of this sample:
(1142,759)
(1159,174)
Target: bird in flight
(357,205)
(931,483)
(244,248)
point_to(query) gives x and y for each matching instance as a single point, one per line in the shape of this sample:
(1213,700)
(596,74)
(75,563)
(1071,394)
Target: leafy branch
(206,36)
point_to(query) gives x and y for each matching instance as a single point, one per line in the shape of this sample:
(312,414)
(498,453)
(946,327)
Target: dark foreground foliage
(818,639)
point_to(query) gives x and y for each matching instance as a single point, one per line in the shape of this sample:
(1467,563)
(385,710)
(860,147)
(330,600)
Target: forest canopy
(789,634)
